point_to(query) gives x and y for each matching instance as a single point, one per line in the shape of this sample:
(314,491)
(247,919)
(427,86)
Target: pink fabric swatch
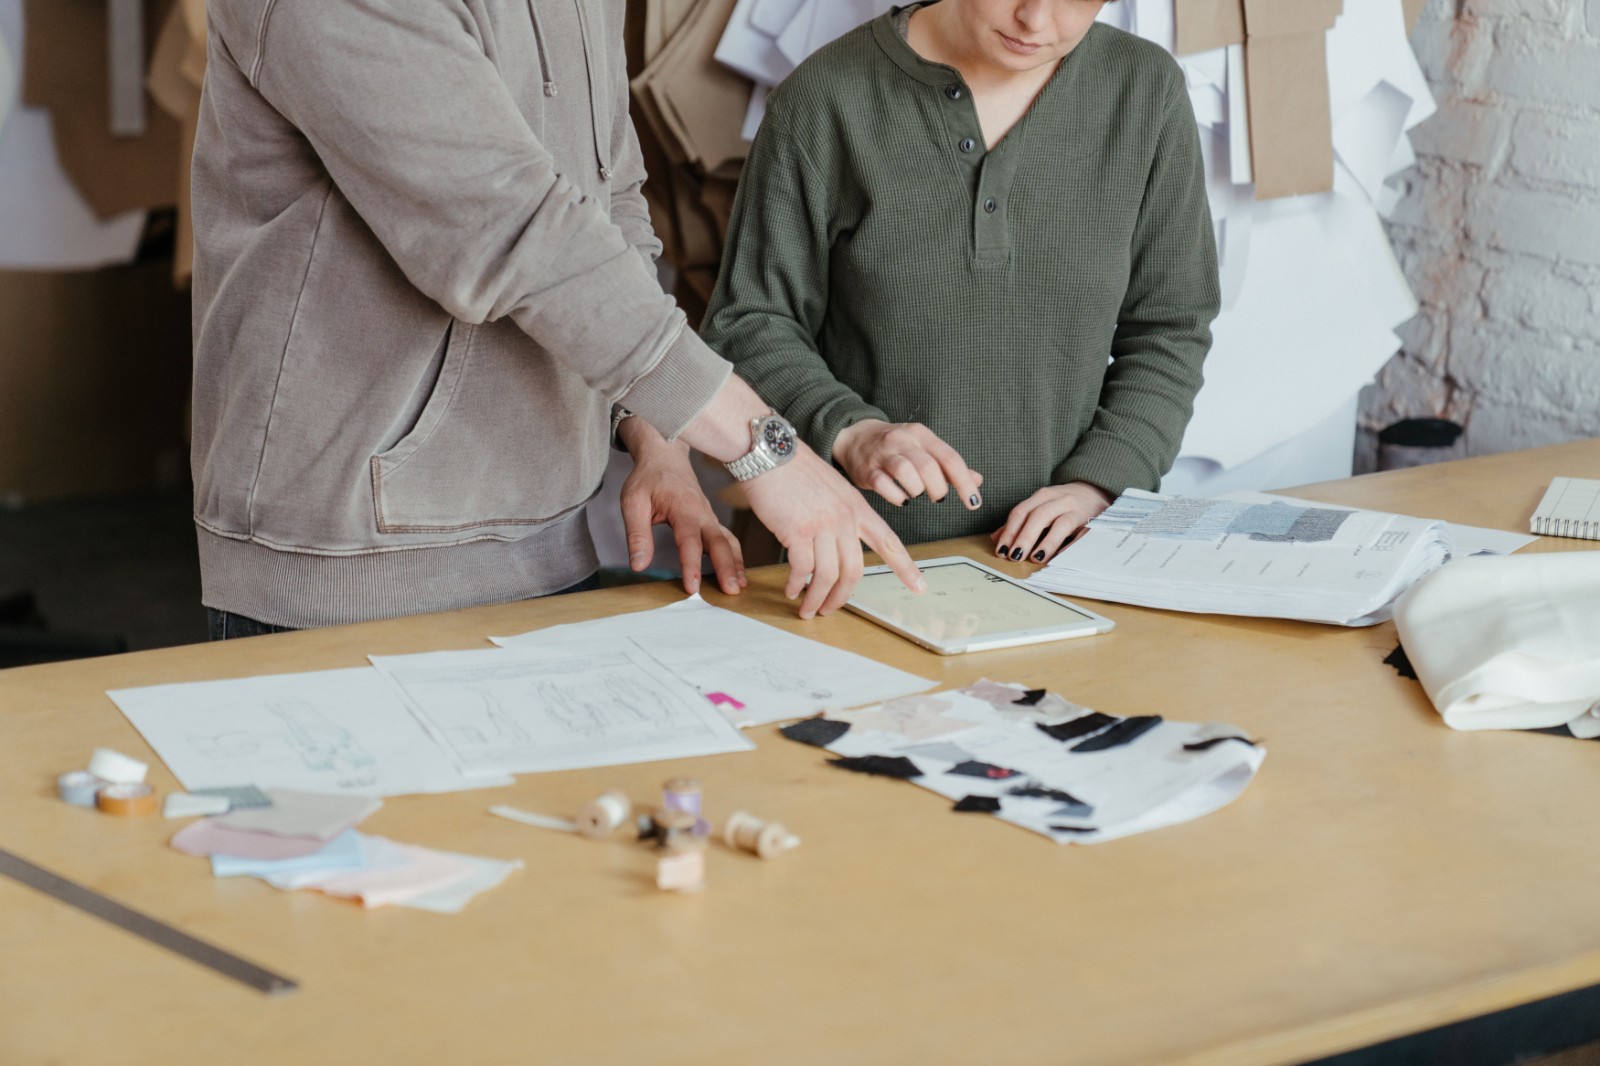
(206,838)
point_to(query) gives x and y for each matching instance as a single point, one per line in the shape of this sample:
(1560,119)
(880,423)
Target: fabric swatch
(1124,732)
(1401,662)
(973,768)
(323,815)
(978,805)
(1211,742)
(819,732)
(1092,722)
(879,765)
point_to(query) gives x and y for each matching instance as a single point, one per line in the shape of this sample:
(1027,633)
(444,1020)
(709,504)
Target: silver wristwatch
(772,443)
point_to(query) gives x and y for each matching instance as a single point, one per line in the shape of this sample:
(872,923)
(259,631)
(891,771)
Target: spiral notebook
(1570,508)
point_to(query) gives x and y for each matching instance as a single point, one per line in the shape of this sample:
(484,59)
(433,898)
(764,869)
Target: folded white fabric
(1509,643)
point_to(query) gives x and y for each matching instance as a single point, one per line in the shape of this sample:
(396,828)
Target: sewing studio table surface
(1382,875)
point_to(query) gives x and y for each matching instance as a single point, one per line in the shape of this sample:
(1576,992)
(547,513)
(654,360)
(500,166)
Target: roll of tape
(126,800)
(117,768)
(79,787)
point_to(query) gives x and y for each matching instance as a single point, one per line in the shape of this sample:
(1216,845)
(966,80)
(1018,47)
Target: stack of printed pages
(1249,554)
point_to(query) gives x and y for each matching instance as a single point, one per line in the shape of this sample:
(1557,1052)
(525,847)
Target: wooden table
(1383,874)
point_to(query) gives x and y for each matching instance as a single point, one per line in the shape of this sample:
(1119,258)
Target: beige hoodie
(422,279)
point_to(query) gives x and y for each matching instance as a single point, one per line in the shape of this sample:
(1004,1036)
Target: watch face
(778,436)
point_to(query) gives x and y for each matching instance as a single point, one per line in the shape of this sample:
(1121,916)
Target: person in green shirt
(971,259)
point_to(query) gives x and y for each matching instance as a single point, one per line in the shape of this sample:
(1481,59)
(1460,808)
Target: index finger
(962,478)
(881,539)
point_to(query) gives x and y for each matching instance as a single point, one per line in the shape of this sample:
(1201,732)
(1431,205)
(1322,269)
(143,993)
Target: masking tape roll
(78,787)
(126,800)
(117,768)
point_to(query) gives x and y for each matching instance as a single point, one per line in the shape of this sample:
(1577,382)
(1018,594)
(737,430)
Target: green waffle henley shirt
(1044,306)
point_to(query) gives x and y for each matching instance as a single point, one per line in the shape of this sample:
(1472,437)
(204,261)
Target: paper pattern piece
(1319,267)
(1113,777)
(327,731)
(535,709)
(44,223)
(1342,571)
(773,674)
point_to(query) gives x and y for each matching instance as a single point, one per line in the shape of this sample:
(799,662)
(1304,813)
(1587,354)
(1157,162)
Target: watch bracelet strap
(747,466)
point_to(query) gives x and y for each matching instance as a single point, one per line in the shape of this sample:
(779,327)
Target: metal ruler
(142,925)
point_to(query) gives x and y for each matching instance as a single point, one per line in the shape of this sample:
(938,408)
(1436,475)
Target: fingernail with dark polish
(1016,555)
(1038,556)
(973,499)
(1004,551)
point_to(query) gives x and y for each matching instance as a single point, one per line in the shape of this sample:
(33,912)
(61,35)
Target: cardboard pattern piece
(1286,83)
(66,69)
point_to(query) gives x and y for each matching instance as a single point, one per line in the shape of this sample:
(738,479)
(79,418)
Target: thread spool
(684,794)
(126,800)
(674,828)
(78,787)
(746,832)
(607,812)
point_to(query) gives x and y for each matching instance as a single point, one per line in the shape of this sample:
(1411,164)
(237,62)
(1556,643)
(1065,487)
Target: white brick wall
(1499,230)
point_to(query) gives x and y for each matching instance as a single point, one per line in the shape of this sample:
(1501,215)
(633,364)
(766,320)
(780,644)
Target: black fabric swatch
(978,805)
(1073,829)
(1033,791)
(879,765)
(1124,732)
(1030,698)
(1401,662)
(973,768)
(1207,745)
(819,732)
(1078,727)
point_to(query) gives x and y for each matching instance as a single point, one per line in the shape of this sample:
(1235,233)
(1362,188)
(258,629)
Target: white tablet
(969,607)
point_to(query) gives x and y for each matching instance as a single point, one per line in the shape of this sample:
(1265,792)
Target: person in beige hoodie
(425,300)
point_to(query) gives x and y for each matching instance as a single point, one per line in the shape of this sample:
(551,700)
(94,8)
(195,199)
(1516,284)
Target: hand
(663,488)
(899,460)
(1039,526)
(822,521)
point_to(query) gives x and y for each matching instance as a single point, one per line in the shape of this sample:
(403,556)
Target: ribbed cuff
(838,416)
(672,393)
(1106,472)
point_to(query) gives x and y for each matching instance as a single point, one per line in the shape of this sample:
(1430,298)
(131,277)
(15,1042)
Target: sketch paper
(1081,796)
(1464,540)
(1269,560)
(774,674)
(527,710)
(328,731)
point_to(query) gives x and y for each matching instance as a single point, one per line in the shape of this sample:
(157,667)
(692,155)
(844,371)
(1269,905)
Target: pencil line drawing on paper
(323,745)
(220,746)
(520,713)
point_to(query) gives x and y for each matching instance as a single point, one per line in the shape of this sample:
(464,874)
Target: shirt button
(967,144)
(953,92)
(989,205)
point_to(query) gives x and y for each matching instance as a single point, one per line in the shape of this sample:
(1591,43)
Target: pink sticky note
(723,697)
(206,838)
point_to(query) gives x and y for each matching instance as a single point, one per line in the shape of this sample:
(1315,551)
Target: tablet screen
(964,602)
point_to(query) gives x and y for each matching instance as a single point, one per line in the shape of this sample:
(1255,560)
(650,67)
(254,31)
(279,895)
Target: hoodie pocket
(500,446)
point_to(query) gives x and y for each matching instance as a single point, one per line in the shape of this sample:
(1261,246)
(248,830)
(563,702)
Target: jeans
(225,625)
